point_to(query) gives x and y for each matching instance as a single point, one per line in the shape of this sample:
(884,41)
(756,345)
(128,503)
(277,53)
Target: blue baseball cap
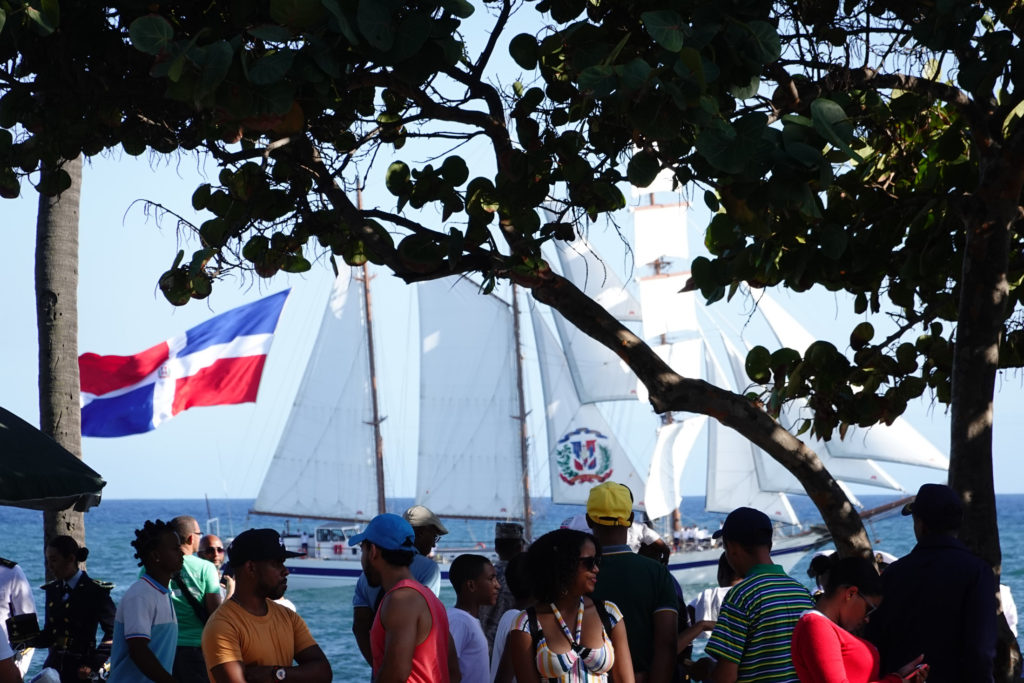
(387,531)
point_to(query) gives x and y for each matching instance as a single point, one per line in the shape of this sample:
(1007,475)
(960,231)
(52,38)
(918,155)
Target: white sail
(660,235)
(469,457)
(664,489)
(330,418)
(584,268)
(898,442)
(582,449)
(732,468)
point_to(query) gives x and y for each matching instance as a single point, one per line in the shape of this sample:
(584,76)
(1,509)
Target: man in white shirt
(476,583)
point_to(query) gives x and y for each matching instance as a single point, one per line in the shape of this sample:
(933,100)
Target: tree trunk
(983,295)
(57,322)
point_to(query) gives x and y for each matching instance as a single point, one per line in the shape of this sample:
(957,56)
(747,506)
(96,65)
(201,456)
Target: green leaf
(766,44)
(344,25)
(396,178)
(297,13)
(665,27)
(599,80)
(455,170)
(374,20)
(758,364)
(151,34)
(861,335)
(271,68)
(459,8)
(743,92)
(272,33)
(3,19)
(832,124)
(47,17)
(410,37)
(216,66)
(523,49)
(643,168)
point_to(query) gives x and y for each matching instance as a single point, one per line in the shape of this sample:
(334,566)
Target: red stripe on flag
(101,374)
(226,381)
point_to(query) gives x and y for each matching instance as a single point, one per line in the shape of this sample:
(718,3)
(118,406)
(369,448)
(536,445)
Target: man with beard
(409,640)
(251,638)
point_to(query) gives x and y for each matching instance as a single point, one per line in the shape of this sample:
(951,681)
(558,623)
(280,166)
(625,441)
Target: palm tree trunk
(57,322)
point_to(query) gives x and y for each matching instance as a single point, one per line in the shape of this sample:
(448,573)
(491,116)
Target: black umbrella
(38,473)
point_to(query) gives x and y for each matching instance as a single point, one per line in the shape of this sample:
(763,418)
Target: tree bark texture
(57,323)
(983,294)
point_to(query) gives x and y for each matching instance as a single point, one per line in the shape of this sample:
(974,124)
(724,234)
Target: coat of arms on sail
(583,457)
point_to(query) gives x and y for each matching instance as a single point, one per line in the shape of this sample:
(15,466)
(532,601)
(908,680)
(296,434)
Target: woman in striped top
(567,638)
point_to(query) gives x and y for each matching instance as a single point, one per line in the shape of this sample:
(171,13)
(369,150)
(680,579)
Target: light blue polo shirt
(145,612)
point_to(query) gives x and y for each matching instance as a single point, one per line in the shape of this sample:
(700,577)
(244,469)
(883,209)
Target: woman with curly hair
(566,637)
(145,629)
(75,605)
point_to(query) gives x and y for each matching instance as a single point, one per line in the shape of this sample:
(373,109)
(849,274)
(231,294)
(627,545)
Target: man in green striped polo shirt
(751,639)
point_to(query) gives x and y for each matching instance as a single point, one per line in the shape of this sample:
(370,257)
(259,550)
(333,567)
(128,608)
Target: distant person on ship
(509,541)
(428,530)
(752,636)
(145,628)
(75,605)
(253,639)
(409,638)
(642,587)
(825,647)
(476,583)
(567,637)
(211,548)
(940,599)
(195,593)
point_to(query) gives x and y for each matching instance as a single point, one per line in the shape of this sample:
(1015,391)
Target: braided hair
(147,539)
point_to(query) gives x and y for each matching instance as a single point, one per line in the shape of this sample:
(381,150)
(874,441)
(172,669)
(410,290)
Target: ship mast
(377,439)
(524,451)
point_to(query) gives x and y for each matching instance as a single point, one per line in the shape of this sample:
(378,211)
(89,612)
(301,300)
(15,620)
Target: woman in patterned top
(566,638)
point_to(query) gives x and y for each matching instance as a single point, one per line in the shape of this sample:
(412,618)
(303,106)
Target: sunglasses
(871,606)
(590,563)
(214,549)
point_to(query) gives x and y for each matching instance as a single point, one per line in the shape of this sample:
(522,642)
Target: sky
(224,451)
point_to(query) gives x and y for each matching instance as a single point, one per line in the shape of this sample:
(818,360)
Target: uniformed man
(16,599)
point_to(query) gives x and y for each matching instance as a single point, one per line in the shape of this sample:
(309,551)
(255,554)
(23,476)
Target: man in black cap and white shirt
(940,599)
(251,638)
(508,542)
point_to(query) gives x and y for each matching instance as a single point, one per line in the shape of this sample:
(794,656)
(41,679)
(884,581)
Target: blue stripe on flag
(259,317)
(129,413)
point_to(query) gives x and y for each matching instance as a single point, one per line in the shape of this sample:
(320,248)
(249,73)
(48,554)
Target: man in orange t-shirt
(251,638)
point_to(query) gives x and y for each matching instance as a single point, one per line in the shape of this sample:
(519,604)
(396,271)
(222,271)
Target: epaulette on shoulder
(10,564)
(105,585)
(47,586)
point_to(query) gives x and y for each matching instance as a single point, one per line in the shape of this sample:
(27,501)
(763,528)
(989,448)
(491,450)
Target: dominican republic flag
(218,362)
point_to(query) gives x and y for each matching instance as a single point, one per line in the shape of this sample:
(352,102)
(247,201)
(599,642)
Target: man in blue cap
(940,599)
(751,638)
(409,638)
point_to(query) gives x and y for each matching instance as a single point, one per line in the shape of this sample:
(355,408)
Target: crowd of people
(575,606)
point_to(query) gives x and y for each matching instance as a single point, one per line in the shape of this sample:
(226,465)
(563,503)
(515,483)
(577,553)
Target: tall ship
(473,458)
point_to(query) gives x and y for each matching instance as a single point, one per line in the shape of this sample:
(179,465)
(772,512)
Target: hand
(84,672)
(706,625)
(914,671)
(229,586)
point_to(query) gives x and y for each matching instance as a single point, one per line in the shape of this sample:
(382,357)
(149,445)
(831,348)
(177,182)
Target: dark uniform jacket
(71,621)
(940,601)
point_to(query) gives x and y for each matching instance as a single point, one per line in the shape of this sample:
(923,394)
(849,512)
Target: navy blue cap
(747,526)
(936,505)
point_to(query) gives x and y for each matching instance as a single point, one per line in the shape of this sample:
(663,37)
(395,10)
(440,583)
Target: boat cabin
(329,541)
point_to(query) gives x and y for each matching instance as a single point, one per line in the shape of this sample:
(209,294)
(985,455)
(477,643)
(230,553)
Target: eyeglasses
(871,606)
(590,563)
(214,549)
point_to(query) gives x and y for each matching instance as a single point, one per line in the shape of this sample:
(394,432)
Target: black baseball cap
(747,526)
(256,545)
(936,505)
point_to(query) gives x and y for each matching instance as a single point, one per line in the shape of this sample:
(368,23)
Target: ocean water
(110,527)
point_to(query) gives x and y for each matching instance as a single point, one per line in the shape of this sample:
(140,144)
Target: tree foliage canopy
(873,148)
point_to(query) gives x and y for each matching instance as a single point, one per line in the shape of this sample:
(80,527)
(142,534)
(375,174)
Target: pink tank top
(430,659)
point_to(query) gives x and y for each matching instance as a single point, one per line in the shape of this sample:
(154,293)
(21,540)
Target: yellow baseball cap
(610,504)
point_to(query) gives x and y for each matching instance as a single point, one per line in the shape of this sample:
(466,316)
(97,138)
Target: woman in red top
(825,649)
